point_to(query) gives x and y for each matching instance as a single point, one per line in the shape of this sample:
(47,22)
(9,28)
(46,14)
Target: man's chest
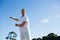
(21,20)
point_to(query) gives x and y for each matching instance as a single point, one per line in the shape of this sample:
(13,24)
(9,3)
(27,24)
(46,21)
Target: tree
(52,34)
(12,35)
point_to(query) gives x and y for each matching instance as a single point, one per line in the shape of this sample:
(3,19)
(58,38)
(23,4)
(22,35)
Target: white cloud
(45,21)
(57,16)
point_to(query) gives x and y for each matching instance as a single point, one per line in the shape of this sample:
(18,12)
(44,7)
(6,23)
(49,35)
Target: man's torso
(25,27)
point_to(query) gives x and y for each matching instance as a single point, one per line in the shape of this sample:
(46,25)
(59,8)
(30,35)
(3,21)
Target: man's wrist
(21,25)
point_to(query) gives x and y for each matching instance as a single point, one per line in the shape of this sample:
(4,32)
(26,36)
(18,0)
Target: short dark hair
(23,9)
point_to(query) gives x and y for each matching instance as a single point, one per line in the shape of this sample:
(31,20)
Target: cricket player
(24,26)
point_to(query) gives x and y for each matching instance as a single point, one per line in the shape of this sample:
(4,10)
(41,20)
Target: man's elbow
(24,23)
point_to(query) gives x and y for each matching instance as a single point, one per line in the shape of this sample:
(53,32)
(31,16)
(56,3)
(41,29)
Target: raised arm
(14,19)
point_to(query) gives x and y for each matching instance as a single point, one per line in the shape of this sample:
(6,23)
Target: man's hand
(10,17)
(19,25)
(16,24)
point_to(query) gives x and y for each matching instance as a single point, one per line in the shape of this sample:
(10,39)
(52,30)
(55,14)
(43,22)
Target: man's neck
(23,15)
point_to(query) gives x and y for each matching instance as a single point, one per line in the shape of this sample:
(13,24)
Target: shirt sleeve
(26,19)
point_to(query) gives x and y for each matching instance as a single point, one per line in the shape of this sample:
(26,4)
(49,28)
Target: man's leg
(22,36)
(27,35)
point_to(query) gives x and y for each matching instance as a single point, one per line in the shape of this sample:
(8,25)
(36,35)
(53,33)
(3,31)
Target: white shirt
(25,27)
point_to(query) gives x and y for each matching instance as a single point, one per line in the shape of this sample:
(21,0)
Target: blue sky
(44,16)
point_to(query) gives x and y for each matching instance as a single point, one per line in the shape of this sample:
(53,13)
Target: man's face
(23,12)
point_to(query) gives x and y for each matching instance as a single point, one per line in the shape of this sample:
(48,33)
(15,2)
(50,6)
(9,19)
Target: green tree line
(50,36)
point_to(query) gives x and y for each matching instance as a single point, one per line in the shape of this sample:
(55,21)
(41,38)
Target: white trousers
(25,35)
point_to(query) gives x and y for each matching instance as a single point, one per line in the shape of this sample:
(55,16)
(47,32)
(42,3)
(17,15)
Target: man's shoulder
(26,16)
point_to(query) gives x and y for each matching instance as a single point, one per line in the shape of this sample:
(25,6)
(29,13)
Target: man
(24,26)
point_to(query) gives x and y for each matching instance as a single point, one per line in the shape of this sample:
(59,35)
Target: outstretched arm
(14,19)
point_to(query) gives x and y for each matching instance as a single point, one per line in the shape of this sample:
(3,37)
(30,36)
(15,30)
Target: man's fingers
(16,24)
(10,17)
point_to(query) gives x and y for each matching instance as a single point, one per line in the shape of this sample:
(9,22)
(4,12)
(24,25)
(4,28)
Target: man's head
(23,12)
